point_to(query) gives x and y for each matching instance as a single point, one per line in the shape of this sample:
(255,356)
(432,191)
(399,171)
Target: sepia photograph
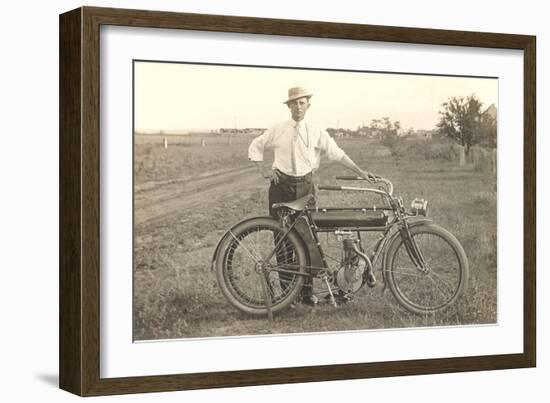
(270,200)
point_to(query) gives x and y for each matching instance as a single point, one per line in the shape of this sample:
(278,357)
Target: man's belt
(294,179)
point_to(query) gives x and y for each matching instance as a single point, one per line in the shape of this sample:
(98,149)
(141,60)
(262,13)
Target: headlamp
(419,207)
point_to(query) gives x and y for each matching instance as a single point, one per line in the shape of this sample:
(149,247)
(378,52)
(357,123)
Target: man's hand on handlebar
(369,176)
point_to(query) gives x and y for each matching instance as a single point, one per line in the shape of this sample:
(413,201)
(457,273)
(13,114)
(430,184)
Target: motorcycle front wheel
(244,249)
(432,288)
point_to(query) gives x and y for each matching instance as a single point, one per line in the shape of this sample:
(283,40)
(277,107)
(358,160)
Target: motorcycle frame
(398,224)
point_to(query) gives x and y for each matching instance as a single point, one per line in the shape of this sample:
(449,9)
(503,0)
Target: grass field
(187,196)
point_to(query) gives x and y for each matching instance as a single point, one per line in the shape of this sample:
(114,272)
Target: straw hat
(297,92)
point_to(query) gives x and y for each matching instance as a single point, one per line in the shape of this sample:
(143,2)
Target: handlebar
(350,178)
(328,187)
(377,179)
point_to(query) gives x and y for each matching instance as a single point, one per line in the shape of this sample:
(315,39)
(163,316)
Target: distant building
(420,134)
(491,111)
(425,134)
(244,131)
(489,126)
(365,131)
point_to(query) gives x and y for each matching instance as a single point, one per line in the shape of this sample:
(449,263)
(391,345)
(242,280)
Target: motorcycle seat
(297,205)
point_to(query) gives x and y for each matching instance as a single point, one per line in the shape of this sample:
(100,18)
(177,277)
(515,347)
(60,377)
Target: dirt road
(160,200)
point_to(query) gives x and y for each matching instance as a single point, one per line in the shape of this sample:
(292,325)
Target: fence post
(165,143)
(476,158)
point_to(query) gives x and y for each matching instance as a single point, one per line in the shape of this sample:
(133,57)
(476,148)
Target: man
(297,146)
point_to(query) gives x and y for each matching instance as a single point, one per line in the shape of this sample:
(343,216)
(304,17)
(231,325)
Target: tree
(460,120)
(388,133)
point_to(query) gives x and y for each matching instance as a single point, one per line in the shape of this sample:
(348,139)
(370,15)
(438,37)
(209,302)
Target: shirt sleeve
(329,147)
(258,145)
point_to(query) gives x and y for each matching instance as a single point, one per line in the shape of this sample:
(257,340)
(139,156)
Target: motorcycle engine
(350,276)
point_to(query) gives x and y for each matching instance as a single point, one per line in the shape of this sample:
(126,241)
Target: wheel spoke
(245,260)
(441,291)
(415,273)
(438,286)
(256,260)
(446,284)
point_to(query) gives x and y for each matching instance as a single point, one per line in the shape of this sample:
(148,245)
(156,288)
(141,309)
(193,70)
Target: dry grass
(176,294)
(187,158)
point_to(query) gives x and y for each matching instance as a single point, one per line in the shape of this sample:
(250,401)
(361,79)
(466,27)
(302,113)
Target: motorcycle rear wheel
(248,244)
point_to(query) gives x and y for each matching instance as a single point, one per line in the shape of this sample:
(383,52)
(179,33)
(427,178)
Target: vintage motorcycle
(262,263)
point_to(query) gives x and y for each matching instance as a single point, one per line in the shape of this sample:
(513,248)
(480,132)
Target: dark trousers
(289,189)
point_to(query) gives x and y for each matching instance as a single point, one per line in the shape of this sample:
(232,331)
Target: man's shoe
(310,300)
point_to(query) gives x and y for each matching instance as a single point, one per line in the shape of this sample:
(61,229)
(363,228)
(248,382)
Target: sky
(179,96)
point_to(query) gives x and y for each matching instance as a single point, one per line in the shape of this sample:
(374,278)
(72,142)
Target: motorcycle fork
(412,248)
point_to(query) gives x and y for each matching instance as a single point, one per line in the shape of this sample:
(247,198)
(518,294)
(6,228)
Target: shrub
(431,150)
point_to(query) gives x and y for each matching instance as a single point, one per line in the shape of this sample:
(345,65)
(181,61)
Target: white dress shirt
(297,150)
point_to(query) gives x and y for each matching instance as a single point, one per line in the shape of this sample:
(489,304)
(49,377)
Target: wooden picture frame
(79,346)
